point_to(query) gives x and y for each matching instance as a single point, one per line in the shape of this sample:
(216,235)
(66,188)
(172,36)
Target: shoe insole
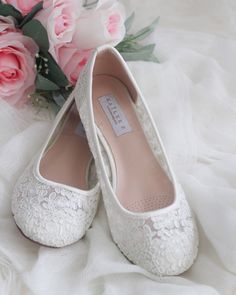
(141,183)
(67,160)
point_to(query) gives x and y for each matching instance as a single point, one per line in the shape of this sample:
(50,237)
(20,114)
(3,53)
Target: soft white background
(192,95)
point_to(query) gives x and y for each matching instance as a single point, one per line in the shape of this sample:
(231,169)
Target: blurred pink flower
(6,25)
(17,67)
(57,3)
(59,19)
(73,31)
(103,25)
(24,6)
(71,60)
(92,28)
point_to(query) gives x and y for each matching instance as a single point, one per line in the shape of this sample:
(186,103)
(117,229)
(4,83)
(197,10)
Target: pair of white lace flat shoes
(104,138)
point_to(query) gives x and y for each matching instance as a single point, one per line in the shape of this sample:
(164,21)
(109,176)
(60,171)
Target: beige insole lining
(142,185)
(67,160)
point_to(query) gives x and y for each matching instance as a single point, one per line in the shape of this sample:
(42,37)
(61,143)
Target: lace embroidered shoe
(149,217)
(55,200)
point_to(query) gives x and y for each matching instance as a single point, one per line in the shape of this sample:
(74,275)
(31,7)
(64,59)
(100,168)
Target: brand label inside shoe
(115,114)
(79,130)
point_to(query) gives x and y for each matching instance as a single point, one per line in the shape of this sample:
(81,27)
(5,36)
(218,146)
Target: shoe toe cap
(164,243)
(52,216)
(174,254)
(163,252)
(50,228)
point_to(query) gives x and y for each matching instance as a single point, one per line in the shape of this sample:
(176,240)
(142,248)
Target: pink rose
(24,6)
(103,25)
(54,3)
(59,19)
(6,25)
(17,67)
(71,60)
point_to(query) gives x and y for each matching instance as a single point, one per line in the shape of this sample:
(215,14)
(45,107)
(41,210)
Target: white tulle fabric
(191,95)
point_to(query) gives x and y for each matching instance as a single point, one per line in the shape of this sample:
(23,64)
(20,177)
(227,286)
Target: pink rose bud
(72,61)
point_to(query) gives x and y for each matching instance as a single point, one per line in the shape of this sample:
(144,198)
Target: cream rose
(59,19)
(103,25)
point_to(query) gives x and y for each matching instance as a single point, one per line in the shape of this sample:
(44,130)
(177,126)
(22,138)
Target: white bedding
(192,95)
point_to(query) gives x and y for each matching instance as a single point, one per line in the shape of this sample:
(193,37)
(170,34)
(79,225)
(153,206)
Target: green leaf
(145,53)
(137,56)
(148,49)
(127,46)
(9,10)
(129,21)
(145,32)
(43,83)
(55,73)
(58,98)
(35,30)
(32,13)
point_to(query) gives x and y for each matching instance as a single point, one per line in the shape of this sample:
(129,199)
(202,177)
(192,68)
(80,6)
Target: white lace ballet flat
(149,217)
(55,200)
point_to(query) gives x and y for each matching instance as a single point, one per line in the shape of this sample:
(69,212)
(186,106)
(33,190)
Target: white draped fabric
(192,96)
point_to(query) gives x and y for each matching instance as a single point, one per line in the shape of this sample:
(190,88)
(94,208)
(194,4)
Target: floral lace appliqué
(49,213)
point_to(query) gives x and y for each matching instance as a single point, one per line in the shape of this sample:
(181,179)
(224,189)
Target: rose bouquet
(45,44)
